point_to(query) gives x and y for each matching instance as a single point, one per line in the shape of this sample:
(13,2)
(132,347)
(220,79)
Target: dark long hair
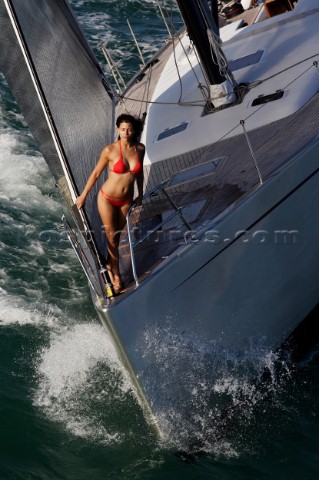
(137,125)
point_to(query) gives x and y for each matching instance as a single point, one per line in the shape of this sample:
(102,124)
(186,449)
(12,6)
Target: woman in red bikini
(125,161)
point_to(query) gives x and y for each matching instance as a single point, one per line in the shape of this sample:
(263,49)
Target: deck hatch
(168,132)
(193,173)
(246,61)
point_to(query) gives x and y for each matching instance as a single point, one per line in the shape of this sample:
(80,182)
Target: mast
(214,10)
(198,20)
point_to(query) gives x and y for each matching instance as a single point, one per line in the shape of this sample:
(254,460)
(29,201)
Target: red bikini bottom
(113,200)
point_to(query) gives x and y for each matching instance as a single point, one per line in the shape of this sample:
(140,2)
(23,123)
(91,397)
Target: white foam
(207,386)
(4,217)
(21,175)
(36,248)
(72,353)
(67,382)
(59,267)
(15,311)
(3,276)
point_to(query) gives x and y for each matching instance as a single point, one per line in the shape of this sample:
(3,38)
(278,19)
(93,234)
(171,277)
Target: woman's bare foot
(117,284)
(115,280)
(110,273)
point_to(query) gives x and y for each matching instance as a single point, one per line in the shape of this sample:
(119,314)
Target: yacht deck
(202,199)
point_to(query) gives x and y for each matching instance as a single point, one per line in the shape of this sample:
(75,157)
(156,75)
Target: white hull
(226,292)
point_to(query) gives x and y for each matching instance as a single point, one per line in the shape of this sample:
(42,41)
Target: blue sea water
(67,409)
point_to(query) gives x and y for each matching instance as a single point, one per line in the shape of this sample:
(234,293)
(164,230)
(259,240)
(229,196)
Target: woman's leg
(120,223)
(109,217)
(122,216)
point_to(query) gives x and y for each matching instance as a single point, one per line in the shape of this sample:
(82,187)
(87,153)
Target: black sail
(61,91)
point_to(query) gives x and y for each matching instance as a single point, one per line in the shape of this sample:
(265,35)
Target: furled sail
(61,91)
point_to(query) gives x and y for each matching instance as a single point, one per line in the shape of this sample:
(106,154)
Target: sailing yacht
(223,252)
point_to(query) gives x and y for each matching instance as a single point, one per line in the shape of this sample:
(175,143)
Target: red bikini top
(120,167)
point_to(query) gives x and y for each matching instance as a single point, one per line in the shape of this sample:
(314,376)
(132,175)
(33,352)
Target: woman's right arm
(100,166)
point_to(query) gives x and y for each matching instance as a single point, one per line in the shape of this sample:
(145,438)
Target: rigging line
(199,63)
(299,76)
(146,89)
(190,64)
(164,19)
(215,42)
(221,60)
(121,99)
(195,103)
(215,47)
(200,85)
(177,69)
(149,83)
(258,82)
(169,15)
(203,73)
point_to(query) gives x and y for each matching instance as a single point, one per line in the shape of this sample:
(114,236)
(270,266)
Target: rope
(205,96)
(217,53)
(177,70)
(146,90)
(169,15)
(195,103)
(204,75)
(192,69)
(242,123)
(258,82)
